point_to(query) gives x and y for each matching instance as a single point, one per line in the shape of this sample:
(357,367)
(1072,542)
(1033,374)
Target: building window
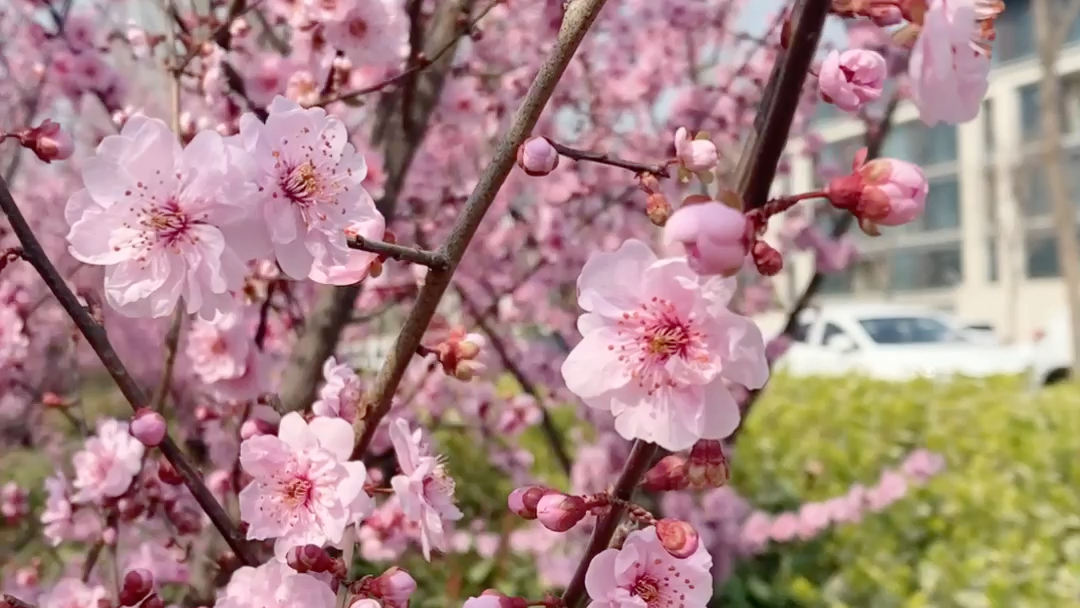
(920,144)
(991,260)
(916,268)
(1042,259)
(1069,106)
(1015,33)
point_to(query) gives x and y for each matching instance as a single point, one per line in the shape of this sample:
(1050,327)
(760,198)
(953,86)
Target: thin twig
(172,345)
(432,259)
(578,18)
(96,338)
(604,158)
(91,559)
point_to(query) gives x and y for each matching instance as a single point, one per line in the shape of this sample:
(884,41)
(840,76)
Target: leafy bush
(1000,526)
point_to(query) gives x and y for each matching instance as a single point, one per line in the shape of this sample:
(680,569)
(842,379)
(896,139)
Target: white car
(895,342)
(1052,355)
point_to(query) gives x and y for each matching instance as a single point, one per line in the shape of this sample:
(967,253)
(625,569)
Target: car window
(832,329)
(908,330)
(800,332)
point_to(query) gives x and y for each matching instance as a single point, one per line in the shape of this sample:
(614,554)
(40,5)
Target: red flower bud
(707,466)
(167,474)
(769,262)
(138,583)
(309,558)
(667,475)
(524,500)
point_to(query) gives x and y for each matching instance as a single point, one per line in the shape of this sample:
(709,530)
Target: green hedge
(999,527)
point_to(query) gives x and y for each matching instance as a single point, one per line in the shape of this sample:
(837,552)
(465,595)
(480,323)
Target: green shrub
(999,527)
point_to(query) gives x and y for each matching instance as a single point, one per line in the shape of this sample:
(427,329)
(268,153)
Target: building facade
(985,247)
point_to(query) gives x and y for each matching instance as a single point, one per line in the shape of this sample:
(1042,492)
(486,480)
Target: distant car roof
(872,310)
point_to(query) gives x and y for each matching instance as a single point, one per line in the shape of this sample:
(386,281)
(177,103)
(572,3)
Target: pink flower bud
(148,427)
(48,141)
(493,599)
(138,583)
(537,157)
(559,512)
(667,475)
(853,78)
(679,538)
(254,427)
(395,586)
(707,466)
(713,235)
(524,500)
(884,191)
(365,602)
(309,558)
(696,155)
(658,209)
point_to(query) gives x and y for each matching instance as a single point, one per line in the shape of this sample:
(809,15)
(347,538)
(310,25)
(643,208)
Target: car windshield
(908,330)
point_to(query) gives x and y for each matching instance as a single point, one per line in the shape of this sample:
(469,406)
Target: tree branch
(578,18)
(10,601)
(431,259)
(334,308)
(96,338)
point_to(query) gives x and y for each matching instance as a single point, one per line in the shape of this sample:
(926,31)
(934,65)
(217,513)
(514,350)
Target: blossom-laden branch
(432,259)
(875,140)
(10,601)
(756,170)
(99,342)
(578,18)
(419,61)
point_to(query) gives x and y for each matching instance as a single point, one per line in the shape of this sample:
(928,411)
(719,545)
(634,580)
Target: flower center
(297,491)
(358,28)
(302,183)
(646,588)
(652,336)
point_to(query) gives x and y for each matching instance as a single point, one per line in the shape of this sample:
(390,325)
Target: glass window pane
(922,145)
(1015,32)
(922,268)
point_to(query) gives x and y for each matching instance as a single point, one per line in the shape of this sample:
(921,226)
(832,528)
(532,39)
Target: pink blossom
(108,462)
(223,354)
(307,183)
(921,465)
(658,344)
(304,490)
(369,224)
(424,487)
(696,155)
(886,191)
(167,565)
(148,427)
(755,532)
(73,593)
(890,488)
(813,519)
(61,520)
(851,79)
(161,219)
(643,573)
(341,394)
(370,33)
(835,256)
(275,584)
(713,235)
(949,73)
(13,502)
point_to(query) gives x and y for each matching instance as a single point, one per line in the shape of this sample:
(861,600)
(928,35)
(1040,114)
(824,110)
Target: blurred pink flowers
(658,346)
(851,79)
(108,462)
(340,395)
(695,155)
